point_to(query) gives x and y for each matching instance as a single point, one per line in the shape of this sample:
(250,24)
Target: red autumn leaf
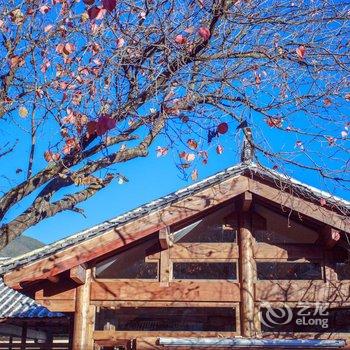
(189,157)
(120,42)
(71,144)
(274,122)
(44,9)
(16,61)
(109,5)
(222,128)
(46,64)
(301,50)
(219,149)
(347,97)
(180,39)
(93,12)
(204,33)
(88,2)
(194,175)
(192,144)
(331,140)
(51,157)
(257,78)
(162,151)
(327,101)
(68,48)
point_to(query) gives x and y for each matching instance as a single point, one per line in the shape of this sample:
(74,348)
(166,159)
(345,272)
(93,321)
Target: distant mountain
(19,246)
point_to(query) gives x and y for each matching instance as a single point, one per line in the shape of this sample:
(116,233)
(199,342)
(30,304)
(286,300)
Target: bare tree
(86,85)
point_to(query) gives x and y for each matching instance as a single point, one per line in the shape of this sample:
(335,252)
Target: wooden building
(245,258)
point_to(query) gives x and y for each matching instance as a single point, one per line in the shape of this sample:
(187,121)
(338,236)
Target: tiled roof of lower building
(16,305)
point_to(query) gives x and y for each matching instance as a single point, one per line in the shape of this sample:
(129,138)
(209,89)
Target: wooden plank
(311,291)
(174,291)
(58,305)
(290,251)
(78,274)
(286,199)
(50,293)
(81,316)
(207,251)
(127,233)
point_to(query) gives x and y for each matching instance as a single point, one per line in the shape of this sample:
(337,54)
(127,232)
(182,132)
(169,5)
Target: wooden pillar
(82,335)
(250,324)
(24,336)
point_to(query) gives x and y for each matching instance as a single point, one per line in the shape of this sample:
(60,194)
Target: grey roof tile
(16,305)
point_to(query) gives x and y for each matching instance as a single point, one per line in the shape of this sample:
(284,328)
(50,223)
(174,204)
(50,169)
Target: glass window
(288,271)
(130,264)
(211,271)
(204,319)
(218,227)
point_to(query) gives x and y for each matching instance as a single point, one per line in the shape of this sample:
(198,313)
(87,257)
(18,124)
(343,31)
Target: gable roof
(16,305)
(250,171)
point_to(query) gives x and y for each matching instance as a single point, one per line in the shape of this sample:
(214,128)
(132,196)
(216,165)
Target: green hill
(19,246)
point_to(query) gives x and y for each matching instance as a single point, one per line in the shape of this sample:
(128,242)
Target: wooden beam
(250,324)
(78,274)
(58,305)
(81,315)
(206,251)
(330,237)
(312,210)
(164,238)
(127,233)
(244,202)
(288,251)
(223,291)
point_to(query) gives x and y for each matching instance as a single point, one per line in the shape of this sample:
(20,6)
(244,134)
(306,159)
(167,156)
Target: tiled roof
(16,305)
(252,170)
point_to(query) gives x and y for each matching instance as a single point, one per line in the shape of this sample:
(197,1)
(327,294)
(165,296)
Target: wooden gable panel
(128,233)
(286,199)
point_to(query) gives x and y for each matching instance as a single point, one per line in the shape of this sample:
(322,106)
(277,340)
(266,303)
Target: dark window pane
(129,264)
(168,319)
(214,271)
(219,227)
(288,271)
(343,271)
(215,233)
(305,320)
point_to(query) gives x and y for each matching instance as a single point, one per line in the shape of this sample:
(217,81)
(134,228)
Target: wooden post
(81,333)
(250,325)
(24,336)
